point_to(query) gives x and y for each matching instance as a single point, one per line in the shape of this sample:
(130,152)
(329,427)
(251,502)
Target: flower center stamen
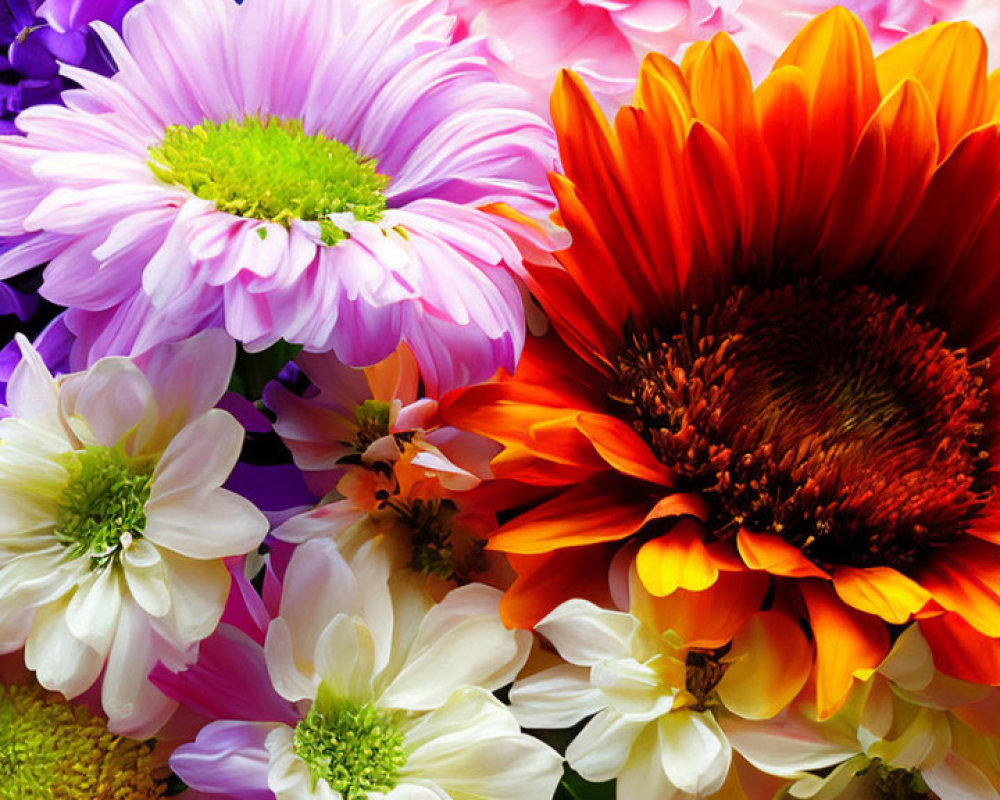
(355,749)
(838,420)
(271,169)
(51,749)
(102,507)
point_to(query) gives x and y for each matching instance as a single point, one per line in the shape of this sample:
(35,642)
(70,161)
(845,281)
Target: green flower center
(355,749)
(102,507)
(373,423)
(271,169)
(52,750)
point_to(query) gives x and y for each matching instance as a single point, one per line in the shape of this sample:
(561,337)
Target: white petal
(787,744)
(695,752)
(555,698)
(205,526)
(198,592)
(291,682)
(472,747)
(584,633)
(199,458)
(32,394)
(61,662)
(146,577)
(600,750)
(958,779)
(642,775)
(107,401)
(134,706)
(461,642)
(92,614)
(633,689)
(345,657)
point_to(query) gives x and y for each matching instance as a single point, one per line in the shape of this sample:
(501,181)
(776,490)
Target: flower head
(112,546)
(366,202)
(655,683)
(393,694)
(774,345)
(50,748)
(391,468)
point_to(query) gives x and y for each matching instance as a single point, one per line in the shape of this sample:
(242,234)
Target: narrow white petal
(345,657)
(92,613)
(555,698)
(584,633)
(61,662)
(600,750)
(199,458)
(198,592)
(146,577)
(695,752)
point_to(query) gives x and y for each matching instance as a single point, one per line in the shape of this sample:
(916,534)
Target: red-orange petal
(622,448)
(881,591)
(773,554)
(848,643)
(965,579)
(949,60)
(546,580)
(961,651)
(591,513)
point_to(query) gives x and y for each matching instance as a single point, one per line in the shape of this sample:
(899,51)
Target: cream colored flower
(115,527)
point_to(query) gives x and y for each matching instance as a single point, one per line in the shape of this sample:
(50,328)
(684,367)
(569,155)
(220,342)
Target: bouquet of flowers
(500,400)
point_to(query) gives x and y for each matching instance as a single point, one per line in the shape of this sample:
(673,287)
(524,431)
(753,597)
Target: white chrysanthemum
(648,731)
(115,526)
(395,692)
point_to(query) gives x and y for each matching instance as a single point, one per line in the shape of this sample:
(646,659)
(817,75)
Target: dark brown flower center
(837,419)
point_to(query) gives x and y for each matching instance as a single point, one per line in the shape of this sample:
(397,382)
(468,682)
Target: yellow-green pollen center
(102,507)
(271,169)
(53,750)
(356,749)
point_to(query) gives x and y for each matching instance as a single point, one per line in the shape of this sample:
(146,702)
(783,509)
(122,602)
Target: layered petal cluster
(393,695)
(603,41)
(652,685)
(115,525)
(385,148)
(774,346)
(907,730)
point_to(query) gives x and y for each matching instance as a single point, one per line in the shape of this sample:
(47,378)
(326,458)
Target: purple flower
(35,37)
(341,175)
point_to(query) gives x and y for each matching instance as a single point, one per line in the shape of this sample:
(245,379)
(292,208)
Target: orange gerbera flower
(774,345)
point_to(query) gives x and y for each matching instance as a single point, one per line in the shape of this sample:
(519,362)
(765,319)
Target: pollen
(102,507)
(54,750)
(271,169)
(356,749)
(840,420)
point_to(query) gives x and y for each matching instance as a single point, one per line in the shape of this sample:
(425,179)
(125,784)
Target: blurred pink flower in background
(603,40)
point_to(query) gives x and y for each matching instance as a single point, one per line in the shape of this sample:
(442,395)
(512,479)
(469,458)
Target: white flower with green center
(54,750)
(395,694)
(115,525)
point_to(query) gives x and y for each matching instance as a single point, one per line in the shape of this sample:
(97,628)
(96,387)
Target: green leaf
(253,371)
(573,787)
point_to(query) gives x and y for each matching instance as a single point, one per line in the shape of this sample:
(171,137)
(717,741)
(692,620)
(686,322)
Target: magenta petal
(229,681)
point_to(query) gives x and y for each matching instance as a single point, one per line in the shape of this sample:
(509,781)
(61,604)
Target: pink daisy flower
(312,171)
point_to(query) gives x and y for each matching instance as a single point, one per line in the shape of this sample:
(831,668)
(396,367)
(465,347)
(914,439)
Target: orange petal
(961,651)
(881,591)
(835,56)
(770,663)
(544,581)
(949,59)
(677,560)
(848,644)
(593,512)
(708,618)
(622,448)
(965,579)
(682,504)
(773,554)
